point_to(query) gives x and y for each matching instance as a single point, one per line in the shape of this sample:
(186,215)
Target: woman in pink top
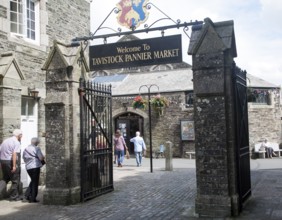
(120,147)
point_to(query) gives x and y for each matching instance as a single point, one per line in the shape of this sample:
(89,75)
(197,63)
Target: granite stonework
(212,56)
(62,126)
(10,95)
(265,122)
(74,17)
(59,20)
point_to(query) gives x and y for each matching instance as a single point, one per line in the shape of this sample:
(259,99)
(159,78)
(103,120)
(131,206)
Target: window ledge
(22,40)
(259,105)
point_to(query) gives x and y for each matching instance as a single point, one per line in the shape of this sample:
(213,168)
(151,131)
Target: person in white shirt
(269,150)
(10,160)
(33,159)
(139,146)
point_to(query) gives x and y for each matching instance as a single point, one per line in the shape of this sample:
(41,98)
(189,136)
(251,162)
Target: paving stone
(140,194)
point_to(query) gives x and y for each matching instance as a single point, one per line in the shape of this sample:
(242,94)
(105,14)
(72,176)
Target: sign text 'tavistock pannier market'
(145,52)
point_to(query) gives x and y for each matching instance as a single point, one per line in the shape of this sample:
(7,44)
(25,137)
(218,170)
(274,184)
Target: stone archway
(130,110)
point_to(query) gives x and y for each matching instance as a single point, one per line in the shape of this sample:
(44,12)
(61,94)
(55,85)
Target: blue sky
(257,27)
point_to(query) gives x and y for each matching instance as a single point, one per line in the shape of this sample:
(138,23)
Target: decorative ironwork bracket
(147,28)
(163,28)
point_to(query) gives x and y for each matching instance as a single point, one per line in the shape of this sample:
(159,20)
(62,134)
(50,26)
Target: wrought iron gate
(96,139)
(242,135)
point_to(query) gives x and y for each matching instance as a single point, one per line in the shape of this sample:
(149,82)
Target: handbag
(43,162)
(127,154)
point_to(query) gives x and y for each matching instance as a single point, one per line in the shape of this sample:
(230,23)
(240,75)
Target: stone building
(175,82)
(264,105)
(27,31)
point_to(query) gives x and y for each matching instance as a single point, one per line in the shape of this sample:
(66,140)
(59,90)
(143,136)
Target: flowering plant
(139,102)
(159,101)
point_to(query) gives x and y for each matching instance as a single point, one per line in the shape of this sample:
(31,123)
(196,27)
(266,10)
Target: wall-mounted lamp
(33,93)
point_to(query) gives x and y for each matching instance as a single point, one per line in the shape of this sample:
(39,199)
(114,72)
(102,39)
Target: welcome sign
(144,52)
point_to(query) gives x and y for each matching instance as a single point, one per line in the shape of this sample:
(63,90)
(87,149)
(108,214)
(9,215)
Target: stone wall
(67,19)
(166,127)
(264,122)
(59,19)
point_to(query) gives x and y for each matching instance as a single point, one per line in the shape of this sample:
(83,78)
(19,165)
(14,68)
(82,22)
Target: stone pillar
(10,95)
(168,156)
(62,125)
(213,49)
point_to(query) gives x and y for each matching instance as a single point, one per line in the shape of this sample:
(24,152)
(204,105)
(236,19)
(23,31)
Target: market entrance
(129,123)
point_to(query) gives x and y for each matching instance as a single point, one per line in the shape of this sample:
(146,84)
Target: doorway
(29,127)
(129,123)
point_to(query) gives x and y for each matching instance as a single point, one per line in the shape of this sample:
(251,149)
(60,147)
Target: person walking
(120,147)
(34,160)
(139,146)
(10,162)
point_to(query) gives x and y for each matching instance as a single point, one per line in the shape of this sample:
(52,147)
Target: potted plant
(159,102)
(139,102)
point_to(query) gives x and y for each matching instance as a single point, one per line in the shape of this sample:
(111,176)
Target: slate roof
(224,30)
(168,81)
(255,82)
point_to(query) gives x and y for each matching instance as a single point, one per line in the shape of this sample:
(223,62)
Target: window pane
(32,15)
(24,103)
(258,96)
(32,25)
(20,9)
(32,35)
(31,5)
(20,18)
(30,107)
(13,16)
(13,28)
(189,98)
(20,29)
(13,6)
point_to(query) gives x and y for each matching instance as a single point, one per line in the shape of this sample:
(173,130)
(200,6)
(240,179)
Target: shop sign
(153,51)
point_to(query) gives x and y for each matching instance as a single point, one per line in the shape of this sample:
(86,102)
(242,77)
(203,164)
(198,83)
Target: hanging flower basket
(139,102)
(159,103)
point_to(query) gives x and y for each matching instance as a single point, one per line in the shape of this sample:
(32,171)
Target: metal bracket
(147,28)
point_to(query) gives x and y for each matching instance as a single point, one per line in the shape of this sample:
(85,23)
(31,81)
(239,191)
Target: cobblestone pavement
(140,194)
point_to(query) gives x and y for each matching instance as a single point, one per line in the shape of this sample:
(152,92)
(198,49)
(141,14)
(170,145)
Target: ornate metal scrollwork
(147,28)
